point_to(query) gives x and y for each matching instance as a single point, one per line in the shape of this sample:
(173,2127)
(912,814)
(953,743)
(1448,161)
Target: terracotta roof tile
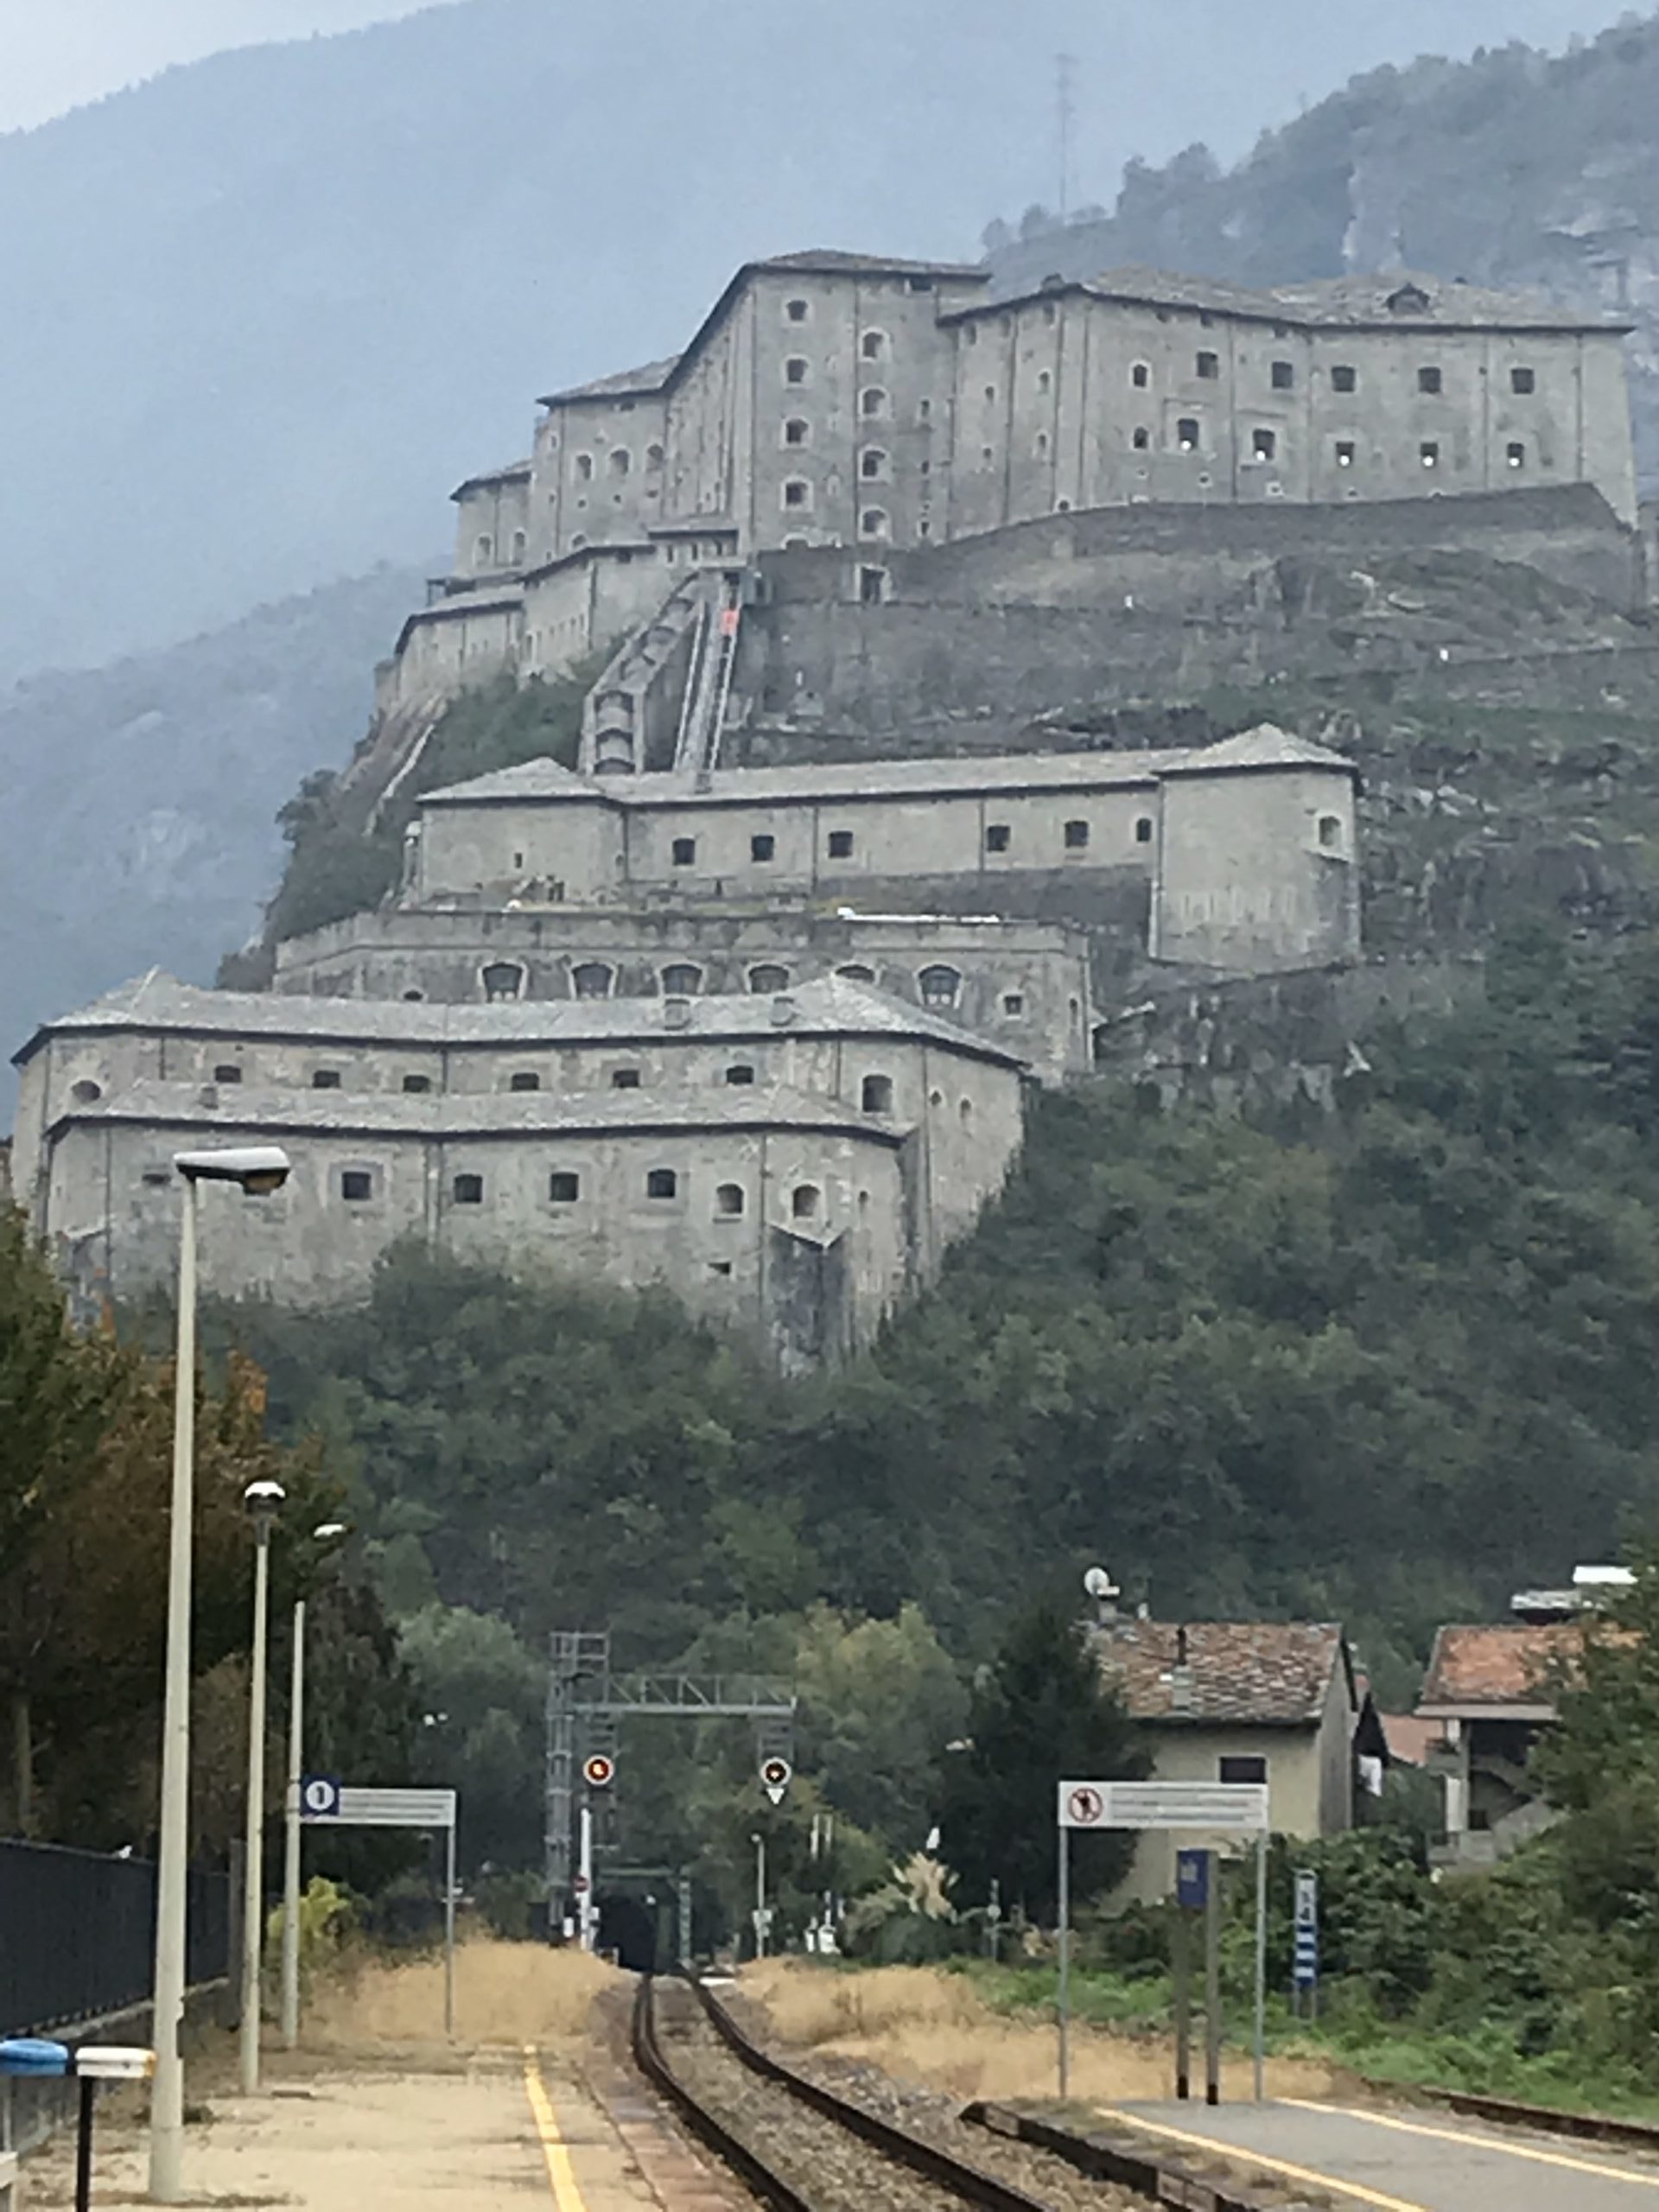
(1276,1673)
(1497,1663)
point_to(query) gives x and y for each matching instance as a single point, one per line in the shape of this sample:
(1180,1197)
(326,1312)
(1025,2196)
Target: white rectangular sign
(1201,1806)
(383,1808)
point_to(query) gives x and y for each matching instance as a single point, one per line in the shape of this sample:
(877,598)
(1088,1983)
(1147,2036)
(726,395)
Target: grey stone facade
(792,1165)
(844,400)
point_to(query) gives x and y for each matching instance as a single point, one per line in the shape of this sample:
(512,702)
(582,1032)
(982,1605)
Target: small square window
(356,1184)
(563,1188)
(1076,835)
(625,1079)
(227,1072)
(763,846)
(841,844)
(1240,1769)
(1430,379)
(796,310)
(1209,366)
(468,1189)
(524,1080)
(1284,375)
(795,493)
(1523,380)
(1344,378)
(795,371)
(414,1083)
(1014,1003)
(685,851)
(998,836)
(326,1079)
(740,1075)
(795,431)
(662,1183)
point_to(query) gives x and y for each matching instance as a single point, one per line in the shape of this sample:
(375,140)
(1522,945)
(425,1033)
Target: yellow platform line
(1242,2156)
(560,2173)
(1486,2142)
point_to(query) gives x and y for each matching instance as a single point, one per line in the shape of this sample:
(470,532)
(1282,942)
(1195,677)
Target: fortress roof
(484,1116)
(652,377)
(515,472)
(1392,301)
(1264,747)
(832,1006)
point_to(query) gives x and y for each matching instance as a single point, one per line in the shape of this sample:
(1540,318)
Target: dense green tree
(1041,1714)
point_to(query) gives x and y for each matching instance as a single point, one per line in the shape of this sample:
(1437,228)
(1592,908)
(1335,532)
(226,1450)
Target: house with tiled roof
(1272,1701)
(1491,1690)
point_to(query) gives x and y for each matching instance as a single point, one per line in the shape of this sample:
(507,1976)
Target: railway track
(799,2148)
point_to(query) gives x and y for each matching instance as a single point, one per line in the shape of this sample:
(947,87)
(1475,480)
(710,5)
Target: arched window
(682,979)
(768,977)
(519,542)
(503,979)
(662,1183)
(484,551)
(873,523)
(873,401)
(1141,376)
(795,370)
(524,1080)
(592,979)
(621,461)
(874,345)
(856,972)
(653,456)
(872,464)
(803,1201)
(1143,830)
(1044,382)
(939,985)
(740,1076)
(584,469)
(1042,445)
(797,431)
(876,1094)
(728,1201)
(1331,831)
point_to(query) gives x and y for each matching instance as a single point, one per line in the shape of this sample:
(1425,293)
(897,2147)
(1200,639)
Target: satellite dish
(1099,1584)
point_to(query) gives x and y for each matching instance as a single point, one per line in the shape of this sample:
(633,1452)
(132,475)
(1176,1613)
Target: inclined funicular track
(798,2147)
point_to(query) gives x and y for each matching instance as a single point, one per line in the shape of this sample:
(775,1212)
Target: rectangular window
(625,1079)
(412,1083)
(763,847)
(1187,434)
(326,1079)
(1241,1769)
(1430,379)
(356,1184)
(997,836)
(1517,454)
(841,844)
(563,1189)
(1264,444)
(468,1189)
(1076,835)
(1343,377)
(1209,366)
(1345,454)
(1284,375)
(1430,453)
(1014,1003)
(1522,380)
(685,851)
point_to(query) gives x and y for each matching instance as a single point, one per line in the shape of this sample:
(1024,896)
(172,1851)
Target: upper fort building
(834,399)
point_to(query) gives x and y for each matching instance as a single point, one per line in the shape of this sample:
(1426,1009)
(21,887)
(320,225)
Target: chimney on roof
(1181,1675)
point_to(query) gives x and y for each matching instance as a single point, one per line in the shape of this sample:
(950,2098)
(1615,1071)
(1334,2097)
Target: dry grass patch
(922,2026)
(504,1993)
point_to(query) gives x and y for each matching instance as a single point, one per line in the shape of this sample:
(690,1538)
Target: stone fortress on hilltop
(747,1000)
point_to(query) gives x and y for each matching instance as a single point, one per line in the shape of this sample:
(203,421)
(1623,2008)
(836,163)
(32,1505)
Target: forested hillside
(1517,168)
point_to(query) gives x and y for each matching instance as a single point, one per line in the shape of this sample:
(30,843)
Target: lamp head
(259,1168)
(261,1502)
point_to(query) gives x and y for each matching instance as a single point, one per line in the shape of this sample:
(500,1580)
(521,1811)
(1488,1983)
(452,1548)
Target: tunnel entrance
(628,1926)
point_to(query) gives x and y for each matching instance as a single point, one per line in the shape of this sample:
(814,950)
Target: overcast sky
(1251,63)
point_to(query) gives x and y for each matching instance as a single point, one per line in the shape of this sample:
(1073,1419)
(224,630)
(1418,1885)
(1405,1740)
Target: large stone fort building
(747,1002)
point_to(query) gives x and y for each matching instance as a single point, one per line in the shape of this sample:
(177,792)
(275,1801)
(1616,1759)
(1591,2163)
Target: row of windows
(358,1187)
(841,844)
(621,462)
(1264,446)
(595,979)
(940,986)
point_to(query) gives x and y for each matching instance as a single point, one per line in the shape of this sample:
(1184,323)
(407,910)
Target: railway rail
(799,2148)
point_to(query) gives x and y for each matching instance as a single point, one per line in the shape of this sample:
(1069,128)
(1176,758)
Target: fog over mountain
(276,302)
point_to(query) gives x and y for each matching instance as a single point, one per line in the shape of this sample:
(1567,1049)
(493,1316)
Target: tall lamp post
(328,1532)
(263,1502)
(761,1915)
(258,1169)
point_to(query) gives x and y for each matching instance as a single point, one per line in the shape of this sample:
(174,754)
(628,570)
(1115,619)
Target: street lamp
(258,1169)
(263,1502)
(328,1532)
(761,1915)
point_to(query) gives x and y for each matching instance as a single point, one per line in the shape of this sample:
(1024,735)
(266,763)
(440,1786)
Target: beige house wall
(1248,878)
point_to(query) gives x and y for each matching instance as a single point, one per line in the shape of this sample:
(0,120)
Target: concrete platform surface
(1409,2159)
(494,2130)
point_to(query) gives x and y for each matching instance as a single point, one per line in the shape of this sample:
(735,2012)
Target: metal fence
(77,1934)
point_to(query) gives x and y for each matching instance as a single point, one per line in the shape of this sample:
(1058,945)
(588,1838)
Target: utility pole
(1066,69)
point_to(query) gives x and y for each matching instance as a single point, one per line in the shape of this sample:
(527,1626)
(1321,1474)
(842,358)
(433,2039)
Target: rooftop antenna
(1105,1592)
(1065,75)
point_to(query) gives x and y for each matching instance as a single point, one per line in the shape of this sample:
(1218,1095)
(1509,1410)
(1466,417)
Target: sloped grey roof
(828,1007)
(834,261)
(511,475)
(504,1113)
(1264,746)
(651,377)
